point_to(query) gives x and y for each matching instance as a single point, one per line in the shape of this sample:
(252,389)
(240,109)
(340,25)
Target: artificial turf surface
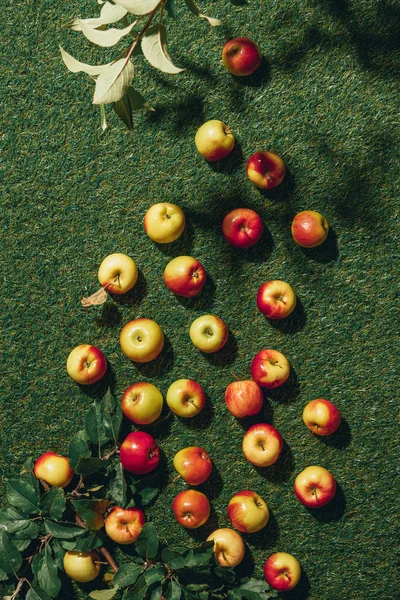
(326,99)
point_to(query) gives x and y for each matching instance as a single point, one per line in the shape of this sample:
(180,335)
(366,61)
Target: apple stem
(176,478)
(45,485)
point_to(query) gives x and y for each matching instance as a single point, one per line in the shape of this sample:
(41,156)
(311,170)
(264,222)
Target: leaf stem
(103,550)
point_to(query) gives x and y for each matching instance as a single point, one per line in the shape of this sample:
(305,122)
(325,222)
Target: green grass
(326,100)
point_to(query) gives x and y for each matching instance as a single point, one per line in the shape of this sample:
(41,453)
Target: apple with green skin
(282,571)
(118,273)
(262,444)
(321,416)
(191,508)
(270,368)
(185,276)
(208,333)
(244,398)
(309,229)
(164,222)
(139,453)
(276,299)
(242,227)
(229,547)
(248,512)
(123,525)
(142,403)
(54,469)
(241,56)
(82,566)
(315,486)
(86,364)
(193,464)
(141,340)
(266,170)
(185,398)
(214,140)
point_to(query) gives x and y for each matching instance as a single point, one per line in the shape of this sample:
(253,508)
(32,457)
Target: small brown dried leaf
(95,299)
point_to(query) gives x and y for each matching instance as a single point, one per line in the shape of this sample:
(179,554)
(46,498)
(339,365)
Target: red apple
(248,512)
(86,364)
(315,486)
(276,299)
(123,525)
(241,56)
(244,398)
(139,453)
(185,276)
(266,169)
(321,417)
(282,571)
(53,469)
(309,229)
(193,464)
(242,227)
(270,368)
(191,508)
(262,445)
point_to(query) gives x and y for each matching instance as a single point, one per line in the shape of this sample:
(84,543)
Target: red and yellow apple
(315,486)
(164,222)
(142,403)
(139,453)
(208,333)
(241,56)
(270,368)
(276,299)
(118,273)
(214,140)
(141,340)
(229,547)
(185,276)
(54,469)
(262,444)
(193,464)
(123,525)
(244,398)
(282,571)
(248,512)
(86,364)
(266,169)
(309,229)
(242,227)
(191,508)
(321,416)
(82,566)
(185,398)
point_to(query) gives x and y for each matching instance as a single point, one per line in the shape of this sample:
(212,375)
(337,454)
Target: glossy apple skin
(118,273)
(309,229)
(321,417)
(315,486)
(164,222)
(185,276)
(282,571)
(82,566)
(248,512)
(229,547)
(191,508)
(186,398)
(214,140)
(241,56)
(242,227)
(244,398)
(262,444)
(142,403)
(193,464)
(266,169)
(54,469)
(123,525)
(141,340)
(86,364)
(276,299)
(270,368)
(208,333)
(139,453)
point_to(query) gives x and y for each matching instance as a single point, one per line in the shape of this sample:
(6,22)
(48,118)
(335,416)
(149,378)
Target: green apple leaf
(137,591)
(3,575)
(171,8)
(147,542)
(154,575)
(201,554)
(155,50)
(103,594)
(110,13)
(10,557)
(47,573)
(106,38)
(118,487)
(11,521)
(193,8)
(138,7)
(78,447)
(21,495)
(91,511)
(88,466)
(90,540)
(53,503)
(75,66)
(127,575)
(94,428)
(37,593)
(111,416)
(173,591)
(113,82)
(27,533)
(63,529)
(58,553)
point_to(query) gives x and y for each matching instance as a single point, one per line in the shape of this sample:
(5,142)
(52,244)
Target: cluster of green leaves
(113,80)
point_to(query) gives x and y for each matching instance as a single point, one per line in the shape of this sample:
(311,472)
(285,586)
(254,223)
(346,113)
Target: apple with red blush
(185,276)
(270,368)
(241,56)
(266,169)
(123,525)
(282,571)
(86,364)
(139,453)
(244,398)
(262,444)
(248,512)
(53,469)
(214,140)
(321,417)
(191,508)
(309,229)
(315,486)
(193,464)
(276,299)
(242,227)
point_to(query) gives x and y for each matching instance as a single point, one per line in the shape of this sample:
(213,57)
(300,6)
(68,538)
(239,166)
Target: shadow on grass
(340,439)
(204,300)
(287,392)
(282,470)
(202,420)
(226,356)
(326,252)
(231,163)
(182,245)
(293,323)
(161,365)
(333,511)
